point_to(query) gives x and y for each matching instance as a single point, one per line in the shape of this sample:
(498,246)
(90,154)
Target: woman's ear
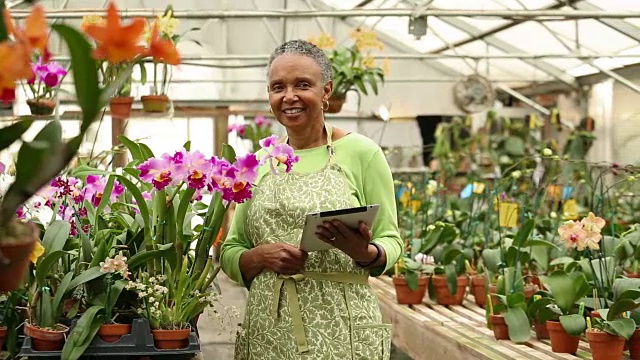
(328,88)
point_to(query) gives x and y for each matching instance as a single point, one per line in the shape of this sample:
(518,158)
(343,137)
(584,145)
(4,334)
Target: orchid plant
(45,83)
(259,129)
(118,47)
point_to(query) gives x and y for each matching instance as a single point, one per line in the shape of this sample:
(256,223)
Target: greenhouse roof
(547,49)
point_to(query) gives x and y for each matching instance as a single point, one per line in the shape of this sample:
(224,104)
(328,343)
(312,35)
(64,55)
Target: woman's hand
(282,258)
(354,243)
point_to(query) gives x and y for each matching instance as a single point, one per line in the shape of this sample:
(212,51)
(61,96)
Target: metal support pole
(275,38)
(414,56)
(524,99)
(539,15)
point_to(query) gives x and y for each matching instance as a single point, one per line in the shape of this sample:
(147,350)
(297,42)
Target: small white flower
(547,152)
(516,174)
(553,215)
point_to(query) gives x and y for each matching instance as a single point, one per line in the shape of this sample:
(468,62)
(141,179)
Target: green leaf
(515,146)
(624,327)
(518,324)
(83,333)
(133,148)
(56,236)
(58,303)
(492,259)
(84,170)
(85,73)
(524,233)
(452,278)
(9,134)
(621,306)
(143,257)
(45,267)
(450,255)
(86,276)
(143,73)
(534,308)
(135,192)
(4,35)
(106,198)
(573,324)
(412,280)
(146,152)
(543,243)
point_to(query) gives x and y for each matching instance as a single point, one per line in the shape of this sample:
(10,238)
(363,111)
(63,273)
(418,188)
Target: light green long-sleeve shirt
(370,180)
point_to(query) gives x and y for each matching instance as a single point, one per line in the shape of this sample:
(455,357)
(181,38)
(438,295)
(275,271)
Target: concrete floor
(217,337)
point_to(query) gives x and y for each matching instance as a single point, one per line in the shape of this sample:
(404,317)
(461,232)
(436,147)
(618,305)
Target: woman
(317,305)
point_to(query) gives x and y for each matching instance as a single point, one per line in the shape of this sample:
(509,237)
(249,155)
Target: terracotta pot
(46,340)
(479,289)
(121,106)
(155,103)
(631,275)
(14,258)
(634,345)
(541,330)
(3,335)
(444,296)
(41,107)
(605,346)
(561,342)
(529,290)
(406,296)
(113,332)
(493,289)
(499,326)
(335,104)
(171,339)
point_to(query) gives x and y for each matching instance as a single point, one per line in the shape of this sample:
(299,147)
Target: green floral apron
(329,311)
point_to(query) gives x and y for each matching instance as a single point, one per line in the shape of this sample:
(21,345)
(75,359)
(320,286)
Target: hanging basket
(155,103)
(120,106)
(14,258)
(335,104)
(43,107)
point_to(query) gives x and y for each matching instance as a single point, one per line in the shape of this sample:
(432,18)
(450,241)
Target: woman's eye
(303,85)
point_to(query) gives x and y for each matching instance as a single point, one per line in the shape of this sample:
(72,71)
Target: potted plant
(563,318)
(44,86)
(163,35)
(354,68)
(608,332)
(409,279)
(509,318)
(116,62)
(39,160)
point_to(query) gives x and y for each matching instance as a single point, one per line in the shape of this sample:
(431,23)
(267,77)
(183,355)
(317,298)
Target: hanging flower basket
(155,103)
(121,106)
(336,103)
(41,106)
(14,256)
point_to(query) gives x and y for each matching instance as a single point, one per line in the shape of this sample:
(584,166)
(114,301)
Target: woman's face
(296,91)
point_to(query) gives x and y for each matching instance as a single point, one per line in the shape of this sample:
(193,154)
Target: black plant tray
(131,346)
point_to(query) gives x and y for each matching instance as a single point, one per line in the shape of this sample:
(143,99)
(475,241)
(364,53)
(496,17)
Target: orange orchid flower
(162,50)
(116,43)
(35,32)
(14,65)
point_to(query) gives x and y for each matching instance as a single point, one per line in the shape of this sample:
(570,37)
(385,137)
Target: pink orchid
(239,128)
(95,189)
(234,181)
(156,171)
(262,121)
(282,153)
(592,223)
(573,235)
(50,73)
(198,169)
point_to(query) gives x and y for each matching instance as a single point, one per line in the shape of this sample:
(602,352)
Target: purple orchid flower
(95,189)
(51,73)
(282,153)
(261,121)
(239,128)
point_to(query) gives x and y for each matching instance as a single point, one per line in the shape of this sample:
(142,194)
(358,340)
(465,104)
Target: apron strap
(289,283)
(329,131)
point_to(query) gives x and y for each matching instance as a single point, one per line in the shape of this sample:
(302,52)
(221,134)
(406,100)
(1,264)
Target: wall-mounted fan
(474,94)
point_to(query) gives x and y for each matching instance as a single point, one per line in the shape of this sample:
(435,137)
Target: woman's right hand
(282,258)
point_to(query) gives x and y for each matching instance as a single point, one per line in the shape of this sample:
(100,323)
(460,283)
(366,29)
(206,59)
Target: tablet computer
(351,217)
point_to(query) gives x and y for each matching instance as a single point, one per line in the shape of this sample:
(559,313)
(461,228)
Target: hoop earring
(323,109)
(270,110)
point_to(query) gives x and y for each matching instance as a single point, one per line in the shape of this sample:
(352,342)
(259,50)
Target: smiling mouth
(292,111)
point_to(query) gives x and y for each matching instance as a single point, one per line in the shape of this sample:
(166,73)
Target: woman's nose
(290,95)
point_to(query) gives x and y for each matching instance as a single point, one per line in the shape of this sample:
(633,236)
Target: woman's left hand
(354,243)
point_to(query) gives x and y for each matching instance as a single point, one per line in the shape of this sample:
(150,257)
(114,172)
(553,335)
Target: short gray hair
(305,48)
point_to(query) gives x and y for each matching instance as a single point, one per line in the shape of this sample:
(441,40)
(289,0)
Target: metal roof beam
(498,29)
(506,47)
(619,25)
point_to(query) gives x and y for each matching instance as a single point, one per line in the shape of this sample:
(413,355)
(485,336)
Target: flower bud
(547,152)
